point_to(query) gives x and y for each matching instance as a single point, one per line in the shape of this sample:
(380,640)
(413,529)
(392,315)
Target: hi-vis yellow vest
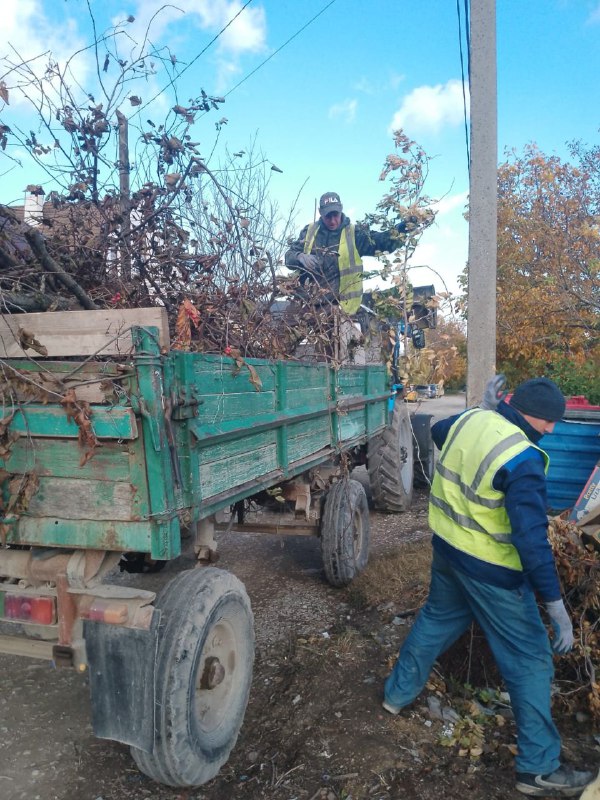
(349,264)
(464,508)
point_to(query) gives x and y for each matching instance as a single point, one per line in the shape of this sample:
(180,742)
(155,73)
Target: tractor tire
(203,676)
(390,463)
(424,451)
(345,532)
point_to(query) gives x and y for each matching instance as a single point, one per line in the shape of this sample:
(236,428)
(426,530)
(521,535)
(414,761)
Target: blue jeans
(512,626)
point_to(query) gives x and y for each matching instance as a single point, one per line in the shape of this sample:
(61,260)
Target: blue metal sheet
(574,450)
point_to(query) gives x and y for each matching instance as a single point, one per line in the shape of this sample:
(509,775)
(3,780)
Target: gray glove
(493,393)
(561,625)
(308,261)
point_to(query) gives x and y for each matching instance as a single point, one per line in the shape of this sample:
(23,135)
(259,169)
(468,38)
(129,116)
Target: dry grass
(402,575)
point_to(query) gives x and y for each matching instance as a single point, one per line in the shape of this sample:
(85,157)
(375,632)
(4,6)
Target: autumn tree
(407,210)
(548,314)
(448,343)
(135,210)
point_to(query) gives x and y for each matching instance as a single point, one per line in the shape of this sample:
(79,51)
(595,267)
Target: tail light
(28,608)
(110,611)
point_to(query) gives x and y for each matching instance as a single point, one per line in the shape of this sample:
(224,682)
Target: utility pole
(124,189)
(483,201)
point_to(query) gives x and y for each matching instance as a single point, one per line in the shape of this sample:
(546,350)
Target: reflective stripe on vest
(349,265)
(464,508)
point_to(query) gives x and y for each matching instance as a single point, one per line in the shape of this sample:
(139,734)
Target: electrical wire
(462,70)
(255,70)
(200,54)
(280,48)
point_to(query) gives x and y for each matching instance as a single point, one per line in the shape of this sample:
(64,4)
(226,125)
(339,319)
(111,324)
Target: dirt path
(314,729)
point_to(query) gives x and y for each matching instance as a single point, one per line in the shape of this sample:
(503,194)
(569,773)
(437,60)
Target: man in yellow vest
(328,252)
(491,556)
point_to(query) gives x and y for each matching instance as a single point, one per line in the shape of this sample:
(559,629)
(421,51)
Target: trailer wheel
(424,452)
(345,532)
(391,465)
(204,670)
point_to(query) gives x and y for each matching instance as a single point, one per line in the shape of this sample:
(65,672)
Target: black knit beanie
(540,398)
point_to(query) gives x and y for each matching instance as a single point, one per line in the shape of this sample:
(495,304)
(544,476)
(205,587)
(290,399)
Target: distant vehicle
(433,390)
(410,395)
(426,391)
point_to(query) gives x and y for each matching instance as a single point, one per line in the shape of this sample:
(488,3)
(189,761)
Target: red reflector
(42,610)
(29,608)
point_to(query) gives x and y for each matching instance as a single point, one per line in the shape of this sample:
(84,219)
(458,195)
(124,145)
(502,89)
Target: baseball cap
(330,201)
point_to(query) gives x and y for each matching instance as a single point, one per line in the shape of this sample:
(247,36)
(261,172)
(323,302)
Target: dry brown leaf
(80,412)
(187,316)
(28,341)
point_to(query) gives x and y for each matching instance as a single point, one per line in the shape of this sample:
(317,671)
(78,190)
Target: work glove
(308,261)
(561,625)
(493,393)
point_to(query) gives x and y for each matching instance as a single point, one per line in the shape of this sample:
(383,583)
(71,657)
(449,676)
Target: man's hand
(308,261)
(561,625)
(493,393)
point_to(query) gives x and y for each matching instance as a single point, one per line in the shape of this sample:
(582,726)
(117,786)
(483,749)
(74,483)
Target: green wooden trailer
(110,445)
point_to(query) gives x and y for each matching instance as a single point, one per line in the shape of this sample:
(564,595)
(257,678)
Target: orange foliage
(187,316)
(548,260)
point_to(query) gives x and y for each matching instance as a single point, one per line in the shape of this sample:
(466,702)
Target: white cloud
(246,34)
(442,252)
(365,86)
(430,108)
(450,203)
(169,25)
(27,34)
(396,79)
(594,17)
(346,111)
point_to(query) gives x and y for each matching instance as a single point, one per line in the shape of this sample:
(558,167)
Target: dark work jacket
(326,245)
(523,482)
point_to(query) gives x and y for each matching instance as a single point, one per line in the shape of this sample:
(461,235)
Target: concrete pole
(483,203)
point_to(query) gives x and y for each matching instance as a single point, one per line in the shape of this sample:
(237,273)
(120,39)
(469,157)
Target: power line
(279,49)
(200,54)
(255,70)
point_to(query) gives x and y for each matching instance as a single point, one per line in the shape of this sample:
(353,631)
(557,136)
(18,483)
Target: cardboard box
(589,499)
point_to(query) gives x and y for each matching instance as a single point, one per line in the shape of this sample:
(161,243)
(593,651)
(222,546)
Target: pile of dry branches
(577,557)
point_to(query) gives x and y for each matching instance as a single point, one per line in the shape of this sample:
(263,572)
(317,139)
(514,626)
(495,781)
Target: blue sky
(323,107)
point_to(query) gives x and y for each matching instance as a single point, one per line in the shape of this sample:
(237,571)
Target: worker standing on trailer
(491,556)
(329,252)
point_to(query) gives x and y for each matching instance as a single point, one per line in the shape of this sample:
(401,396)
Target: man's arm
(439,431)
(369,242)
(296,248)
(523,482)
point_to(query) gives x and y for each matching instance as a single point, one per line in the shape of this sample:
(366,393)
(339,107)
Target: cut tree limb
(38,245)
(33,301)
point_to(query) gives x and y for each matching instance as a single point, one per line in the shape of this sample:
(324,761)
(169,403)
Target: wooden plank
(219,374)
(85,534)
(94,382)
(110,423)
(352,425)
(237,468)
(216,408)
(306,395)
(303,375)
(72,498)
(306,438)
(61,458)
(241,445)
(80,333)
